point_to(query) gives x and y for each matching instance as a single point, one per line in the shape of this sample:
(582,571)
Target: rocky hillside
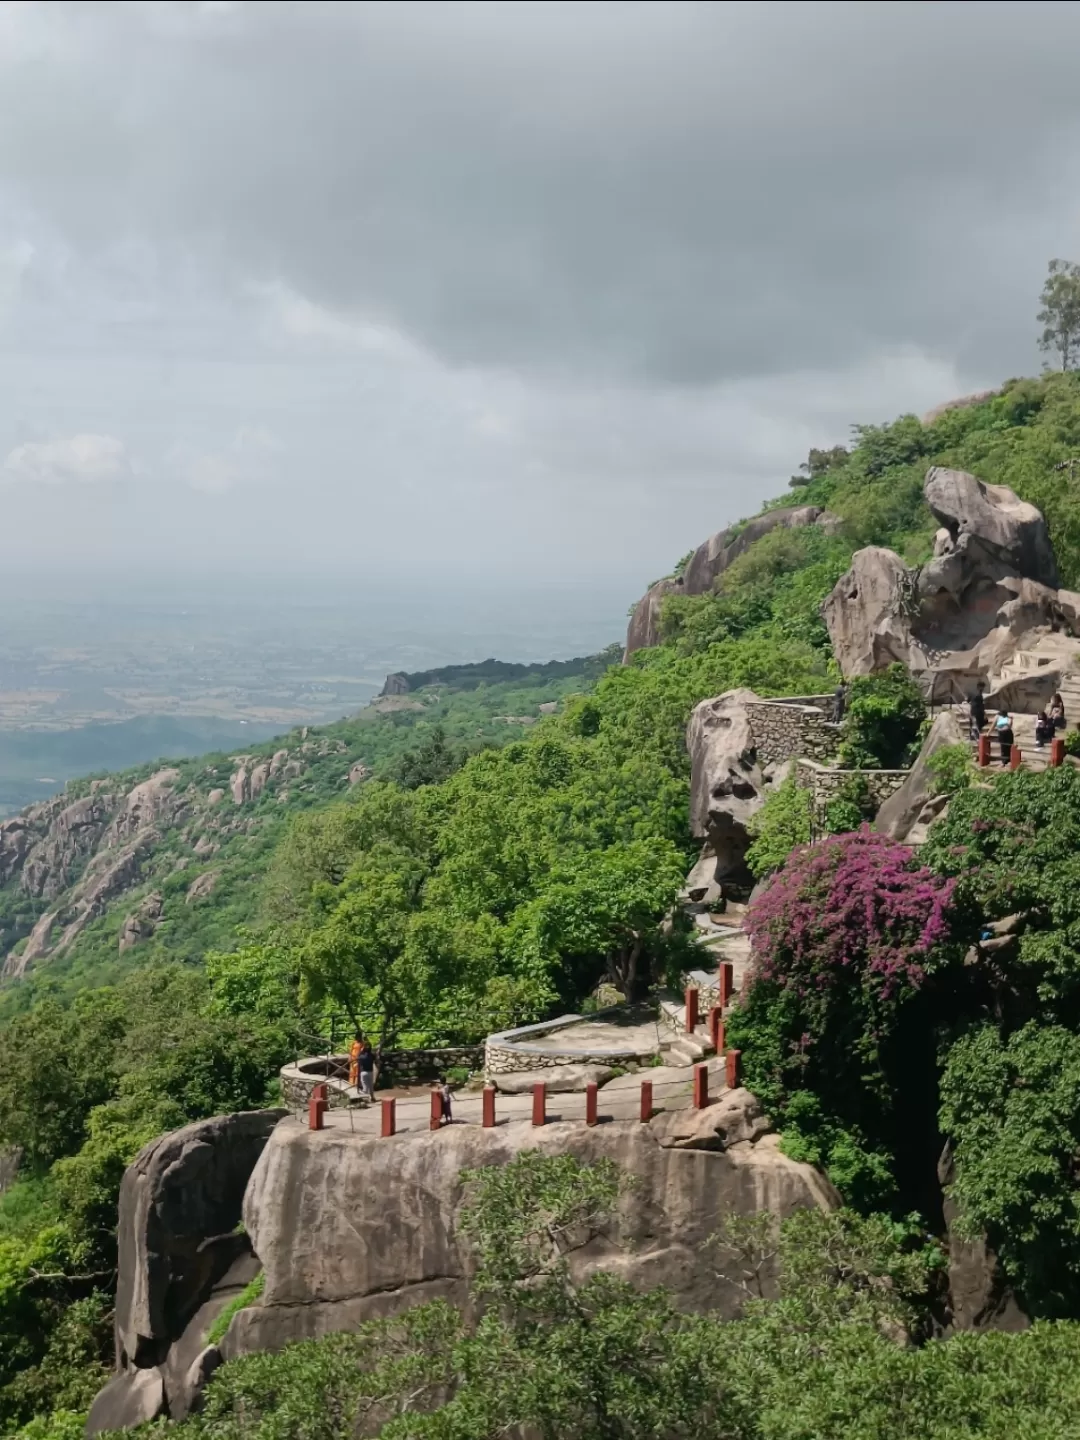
(165,860)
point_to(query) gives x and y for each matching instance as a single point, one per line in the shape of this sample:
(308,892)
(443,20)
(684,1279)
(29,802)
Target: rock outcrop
(707,564)
(962,402)
(910,811)
(990,590)
(142,922)
(350,1228)
(980,1297)
(726,783)
(180,1203)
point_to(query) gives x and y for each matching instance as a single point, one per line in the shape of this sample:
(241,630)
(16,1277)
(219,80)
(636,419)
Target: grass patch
(247,1296)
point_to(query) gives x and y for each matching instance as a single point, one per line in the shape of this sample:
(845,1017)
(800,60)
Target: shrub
(885,715)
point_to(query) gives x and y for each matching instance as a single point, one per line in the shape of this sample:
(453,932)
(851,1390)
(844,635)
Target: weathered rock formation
(349,1229)
(990,590)
(726,783)
(180,1203)
(142,922)
(910,811)
(708,562)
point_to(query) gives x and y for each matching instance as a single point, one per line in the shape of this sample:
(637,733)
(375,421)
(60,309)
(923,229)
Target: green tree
(883,723)
(1060,313)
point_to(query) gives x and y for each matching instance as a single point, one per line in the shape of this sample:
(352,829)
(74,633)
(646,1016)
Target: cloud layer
(517,289)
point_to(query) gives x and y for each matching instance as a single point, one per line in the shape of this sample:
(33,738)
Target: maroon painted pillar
(716,1028)
(691,1009)
(436,1110)
(389,1118)
(701,1086)
(1016,758)
(592,1090)
(1057,752)
(317,1108)
(984,750)
(727,983)
(539,1115)
(733,1069)
(646,1100)
(489,1107)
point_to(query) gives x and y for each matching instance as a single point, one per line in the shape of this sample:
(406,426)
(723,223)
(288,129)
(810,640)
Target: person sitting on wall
(1056,711)
(1044,728)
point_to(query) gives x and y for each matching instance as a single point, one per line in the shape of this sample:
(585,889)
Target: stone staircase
(1033,757)
(683,1048)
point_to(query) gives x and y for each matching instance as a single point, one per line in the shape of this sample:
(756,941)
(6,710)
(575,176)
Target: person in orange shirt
(355,1051)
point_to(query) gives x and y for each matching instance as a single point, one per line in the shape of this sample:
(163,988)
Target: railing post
(389,1118)
(690,1022)
(317,1108)
(436,1110)
(727,983)
(539,1113)
(592,1090)
(984,750)
(1057,752)
(701,1086)
(1016,758)
(489,1107)
(646,1101)
(733,1069)
(716,1028)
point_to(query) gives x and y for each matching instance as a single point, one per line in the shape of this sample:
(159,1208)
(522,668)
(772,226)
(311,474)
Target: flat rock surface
(558,1079)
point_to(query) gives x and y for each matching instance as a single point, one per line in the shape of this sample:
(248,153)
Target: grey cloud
(678,192)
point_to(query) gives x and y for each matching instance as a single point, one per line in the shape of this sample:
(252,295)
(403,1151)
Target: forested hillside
(448,893)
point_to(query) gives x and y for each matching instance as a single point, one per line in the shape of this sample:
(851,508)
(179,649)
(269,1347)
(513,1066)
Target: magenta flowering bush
(850,909)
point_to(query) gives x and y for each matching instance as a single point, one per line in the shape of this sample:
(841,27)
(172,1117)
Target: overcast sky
(520,292)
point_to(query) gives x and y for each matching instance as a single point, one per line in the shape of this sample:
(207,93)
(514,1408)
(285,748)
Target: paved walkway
(619,1099)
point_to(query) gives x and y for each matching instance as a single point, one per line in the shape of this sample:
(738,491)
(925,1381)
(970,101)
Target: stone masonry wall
(826,783)
(525,1049)
(787,730)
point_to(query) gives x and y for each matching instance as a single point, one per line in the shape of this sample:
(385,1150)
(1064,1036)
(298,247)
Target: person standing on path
(977,709)
(366,1067)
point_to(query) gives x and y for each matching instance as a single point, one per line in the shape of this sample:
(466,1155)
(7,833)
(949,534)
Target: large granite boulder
(866,614)
(349,1228)
(726,783)
(178,1240)
(989,592)
(910,811)
(644,629)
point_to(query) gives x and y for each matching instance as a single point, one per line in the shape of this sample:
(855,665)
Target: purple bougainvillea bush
(850,909)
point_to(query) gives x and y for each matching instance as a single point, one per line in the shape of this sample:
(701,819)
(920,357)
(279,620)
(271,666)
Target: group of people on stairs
(1051,719)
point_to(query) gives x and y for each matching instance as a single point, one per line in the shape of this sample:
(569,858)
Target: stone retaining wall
(825,783)
(419,1067)
(524,1049)
(788,729)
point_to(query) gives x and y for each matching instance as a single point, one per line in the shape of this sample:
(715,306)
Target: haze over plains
(455,297)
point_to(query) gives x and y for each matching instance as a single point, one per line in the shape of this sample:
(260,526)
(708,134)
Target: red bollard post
(1057,752)
(489,1107)
(1015,758)
(984,750)
(436,1110)
(592,1090)
(646,1101)
(716,1025)
(539,1104)
(727,983)
(317,1108)
(701,1086)
(733,1069)
(691,1009)
(389,1118)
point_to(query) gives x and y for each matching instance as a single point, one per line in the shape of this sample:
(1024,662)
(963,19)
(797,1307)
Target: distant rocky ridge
(492,672)
(70,859)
